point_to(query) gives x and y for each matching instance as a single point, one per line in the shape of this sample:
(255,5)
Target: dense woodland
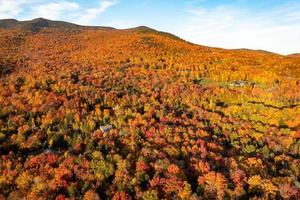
(100,113)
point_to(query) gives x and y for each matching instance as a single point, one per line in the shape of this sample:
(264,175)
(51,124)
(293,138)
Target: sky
(272,25)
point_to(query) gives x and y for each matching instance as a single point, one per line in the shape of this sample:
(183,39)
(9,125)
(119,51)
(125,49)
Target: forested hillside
(101,113)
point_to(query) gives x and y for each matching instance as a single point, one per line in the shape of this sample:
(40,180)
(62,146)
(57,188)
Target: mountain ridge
(38,24)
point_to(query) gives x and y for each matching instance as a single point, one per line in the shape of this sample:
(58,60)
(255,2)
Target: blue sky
(272,25)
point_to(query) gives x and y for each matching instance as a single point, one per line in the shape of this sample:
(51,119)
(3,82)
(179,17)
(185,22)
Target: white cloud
(276,30)
(123,24)
(67,10)
(89,14)
(11,8)
(53,10)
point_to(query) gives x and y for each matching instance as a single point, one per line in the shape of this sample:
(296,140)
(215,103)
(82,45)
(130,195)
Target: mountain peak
(40,23)
(40,19)
(8,23)
(35,25)
(144,29)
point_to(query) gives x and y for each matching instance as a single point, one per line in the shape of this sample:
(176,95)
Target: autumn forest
(100,113)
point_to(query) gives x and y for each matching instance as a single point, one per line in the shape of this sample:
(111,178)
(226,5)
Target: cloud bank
(92,13)
(276,30)
(53,9)
(11,8)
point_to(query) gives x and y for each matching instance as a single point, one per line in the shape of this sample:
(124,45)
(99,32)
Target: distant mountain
(295,55)
(257,51)
(36,25)
(145,29)
(9,23)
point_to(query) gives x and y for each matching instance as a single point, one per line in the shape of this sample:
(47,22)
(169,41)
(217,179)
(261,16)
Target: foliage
(186,121)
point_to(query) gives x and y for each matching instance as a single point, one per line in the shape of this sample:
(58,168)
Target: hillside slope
(95,112)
